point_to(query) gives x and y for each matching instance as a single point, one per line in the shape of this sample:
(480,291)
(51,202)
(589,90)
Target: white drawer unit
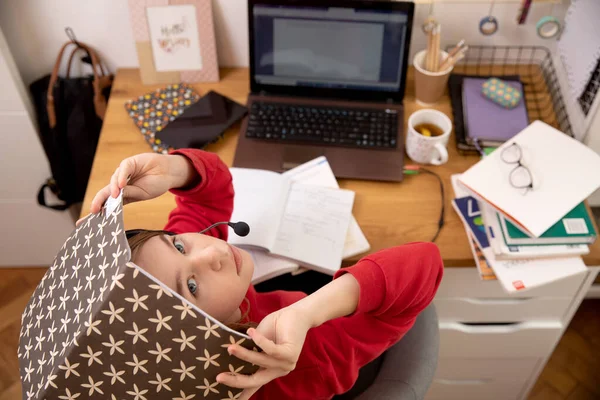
(494,345)
(465,282)
(497,309)
(485,369)
(474,390)
(24,169)
(524,339)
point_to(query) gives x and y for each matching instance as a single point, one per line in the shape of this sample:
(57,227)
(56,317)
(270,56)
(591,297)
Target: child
(313,346)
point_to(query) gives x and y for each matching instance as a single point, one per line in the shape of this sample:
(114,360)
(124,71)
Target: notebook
(486,273)
(468,210)
(304,223)
(565,172)
(151,112)
(576,227)
(95,312)
(487,121)
(502,251)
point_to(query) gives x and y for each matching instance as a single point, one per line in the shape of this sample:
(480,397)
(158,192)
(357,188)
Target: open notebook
(305,223)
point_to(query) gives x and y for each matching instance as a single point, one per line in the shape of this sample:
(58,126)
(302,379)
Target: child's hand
(281,336)
(146,176)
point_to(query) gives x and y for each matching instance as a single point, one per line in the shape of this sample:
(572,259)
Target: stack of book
(523,208)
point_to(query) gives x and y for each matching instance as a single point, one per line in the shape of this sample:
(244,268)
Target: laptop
(327,78)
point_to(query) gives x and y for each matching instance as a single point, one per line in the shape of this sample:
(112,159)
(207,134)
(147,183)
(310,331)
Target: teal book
(574,228)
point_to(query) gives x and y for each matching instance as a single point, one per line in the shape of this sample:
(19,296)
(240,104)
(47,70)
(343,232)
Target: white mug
(428,149)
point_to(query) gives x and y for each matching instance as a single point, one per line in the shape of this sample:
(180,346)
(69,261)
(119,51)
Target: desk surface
(389,213)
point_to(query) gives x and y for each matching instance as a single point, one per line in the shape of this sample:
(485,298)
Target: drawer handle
(509,328)
(463,381)
(484,301)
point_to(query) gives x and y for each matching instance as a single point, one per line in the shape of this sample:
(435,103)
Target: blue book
(468,210)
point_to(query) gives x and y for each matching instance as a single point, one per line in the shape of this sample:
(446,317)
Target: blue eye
(192,285)
(179,246)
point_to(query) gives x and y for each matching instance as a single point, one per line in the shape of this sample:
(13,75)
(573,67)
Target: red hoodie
(396,284)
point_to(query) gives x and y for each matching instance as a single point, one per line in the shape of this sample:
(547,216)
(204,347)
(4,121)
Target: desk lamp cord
(415,170)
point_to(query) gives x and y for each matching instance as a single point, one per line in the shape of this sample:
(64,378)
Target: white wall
(34,29)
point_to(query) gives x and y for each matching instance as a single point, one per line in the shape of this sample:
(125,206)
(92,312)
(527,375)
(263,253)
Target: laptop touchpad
(296,155)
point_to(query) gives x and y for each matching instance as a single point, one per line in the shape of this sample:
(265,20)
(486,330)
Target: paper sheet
(521,274)
(314,226)
(318,172)
(261,206)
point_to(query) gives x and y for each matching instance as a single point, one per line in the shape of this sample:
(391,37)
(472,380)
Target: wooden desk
(485,360)
(388,213)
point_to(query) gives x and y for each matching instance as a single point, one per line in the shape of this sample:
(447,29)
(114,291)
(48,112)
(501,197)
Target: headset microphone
(240,228)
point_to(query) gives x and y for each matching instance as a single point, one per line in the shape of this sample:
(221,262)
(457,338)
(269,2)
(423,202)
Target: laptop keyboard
(353,127)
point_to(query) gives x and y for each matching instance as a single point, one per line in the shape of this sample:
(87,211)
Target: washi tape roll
(488,25)
(429,24)
(548,27)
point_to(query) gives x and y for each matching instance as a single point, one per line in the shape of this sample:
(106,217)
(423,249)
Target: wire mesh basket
(536,70)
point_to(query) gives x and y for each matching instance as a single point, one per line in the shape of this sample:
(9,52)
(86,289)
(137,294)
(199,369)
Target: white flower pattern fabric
(98,327)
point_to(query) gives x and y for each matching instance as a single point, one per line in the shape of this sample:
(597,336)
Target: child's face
(207,271)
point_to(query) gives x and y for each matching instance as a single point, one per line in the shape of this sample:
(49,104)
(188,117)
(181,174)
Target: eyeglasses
(520,177)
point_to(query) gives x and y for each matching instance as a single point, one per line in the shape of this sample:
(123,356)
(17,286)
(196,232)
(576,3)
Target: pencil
(429,53)
(436,48)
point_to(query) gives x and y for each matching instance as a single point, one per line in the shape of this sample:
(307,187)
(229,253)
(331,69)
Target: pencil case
(501,93)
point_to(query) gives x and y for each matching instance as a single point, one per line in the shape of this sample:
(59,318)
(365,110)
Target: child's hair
(137,240)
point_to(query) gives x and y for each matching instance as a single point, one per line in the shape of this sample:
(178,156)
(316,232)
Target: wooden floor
(572,373)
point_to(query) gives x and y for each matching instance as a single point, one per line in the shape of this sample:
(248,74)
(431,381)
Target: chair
(404,371)
(408,367)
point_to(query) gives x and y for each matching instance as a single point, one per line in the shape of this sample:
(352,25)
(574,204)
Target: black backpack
(69,116)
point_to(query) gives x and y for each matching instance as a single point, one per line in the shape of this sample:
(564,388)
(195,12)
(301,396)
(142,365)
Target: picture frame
(174,40)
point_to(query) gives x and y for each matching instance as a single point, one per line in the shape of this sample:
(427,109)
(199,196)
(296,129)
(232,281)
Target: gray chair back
(409,366)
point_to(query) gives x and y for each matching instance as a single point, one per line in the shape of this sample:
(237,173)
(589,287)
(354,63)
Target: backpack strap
(41,197)
(98,84)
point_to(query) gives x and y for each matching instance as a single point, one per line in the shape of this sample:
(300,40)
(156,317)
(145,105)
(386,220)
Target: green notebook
(574,228)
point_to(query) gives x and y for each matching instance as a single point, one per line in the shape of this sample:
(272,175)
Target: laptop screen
(329,47)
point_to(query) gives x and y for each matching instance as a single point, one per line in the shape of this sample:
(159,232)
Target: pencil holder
(429,86)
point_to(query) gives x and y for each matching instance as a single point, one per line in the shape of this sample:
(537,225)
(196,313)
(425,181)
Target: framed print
(175,40)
